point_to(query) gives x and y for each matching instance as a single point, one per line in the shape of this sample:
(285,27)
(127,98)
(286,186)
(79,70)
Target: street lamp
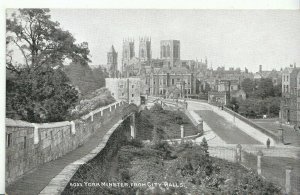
(233,106)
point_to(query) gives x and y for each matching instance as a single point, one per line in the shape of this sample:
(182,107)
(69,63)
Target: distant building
(218,98)
(112,62)
(127,89)
(273,74)
(168,76)
(290,104)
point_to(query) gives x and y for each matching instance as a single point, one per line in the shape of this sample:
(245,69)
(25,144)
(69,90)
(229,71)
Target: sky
(230,38)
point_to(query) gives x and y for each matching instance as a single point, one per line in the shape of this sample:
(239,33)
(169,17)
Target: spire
(112,49)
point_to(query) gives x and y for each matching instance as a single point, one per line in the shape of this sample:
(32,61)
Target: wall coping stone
(20,123)
(60,181)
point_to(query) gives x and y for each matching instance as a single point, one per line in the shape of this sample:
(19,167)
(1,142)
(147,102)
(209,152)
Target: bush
(96,99)
(44,95)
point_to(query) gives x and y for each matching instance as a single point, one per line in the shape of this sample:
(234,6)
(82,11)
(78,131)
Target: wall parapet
(252,124)
(31,144)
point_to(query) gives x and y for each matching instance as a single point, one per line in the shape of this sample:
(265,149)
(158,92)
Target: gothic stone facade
(290,104)
(167,76)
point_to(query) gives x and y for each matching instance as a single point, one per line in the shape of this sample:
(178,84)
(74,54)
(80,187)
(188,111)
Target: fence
(282,171)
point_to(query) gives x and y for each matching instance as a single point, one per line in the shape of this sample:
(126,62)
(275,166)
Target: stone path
(34,182)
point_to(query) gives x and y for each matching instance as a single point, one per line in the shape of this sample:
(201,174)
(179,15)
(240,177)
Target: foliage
(86,79)
(41,96)
(94,100)
(156,108)
(166,121)
(38,89)
(233,104)
(263,99)
(265,88)
(204,146)
(256,107)
(41,41)
(248,86)
(192,166)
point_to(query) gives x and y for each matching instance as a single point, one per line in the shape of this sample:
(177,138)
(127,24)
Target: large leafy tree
(38,90)
(265,88)
(41,41)
(248,86)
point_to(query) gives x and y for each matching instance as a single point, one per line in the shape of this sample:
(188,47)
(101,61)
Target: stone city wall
(31,144)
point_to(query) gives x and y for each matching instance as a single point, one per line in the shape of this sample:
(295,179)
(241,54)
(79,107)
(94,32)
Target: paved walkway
(34,182)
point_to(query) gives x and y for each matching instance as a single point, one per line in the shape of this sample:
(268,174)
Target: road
(226,130)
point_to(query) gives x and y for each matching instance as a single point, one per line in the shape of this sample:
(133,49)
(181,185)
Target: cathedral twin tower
(128,54)
(169,53)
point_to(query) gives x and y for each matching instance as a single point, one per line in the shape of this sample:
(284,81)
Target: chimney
(260,68)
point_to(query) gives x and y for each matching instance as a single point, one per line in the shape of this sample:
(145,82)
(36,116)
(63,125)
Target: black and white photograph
(152,101)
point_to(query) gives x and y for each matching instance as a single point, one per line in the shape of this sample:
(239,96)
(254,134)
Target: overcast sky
(240,38)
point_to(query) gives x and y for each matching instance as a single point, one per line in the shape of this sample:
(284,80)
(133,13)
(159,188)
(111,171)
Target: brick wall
(29,145)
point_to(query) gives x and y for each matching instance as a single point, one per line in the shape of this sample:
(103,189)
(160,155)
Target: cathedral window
(142,53)
(164,51)
(168,51)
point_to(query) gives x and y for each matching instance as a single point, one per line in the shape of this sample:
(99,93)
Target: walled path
(34,182)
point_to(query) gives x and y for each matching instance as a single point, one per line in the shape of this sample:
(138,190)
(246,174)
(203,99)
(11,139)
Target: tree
(39,90)
(265,88)
(85,78)
(248,86)
(41,41)
(233,104)
(42,97)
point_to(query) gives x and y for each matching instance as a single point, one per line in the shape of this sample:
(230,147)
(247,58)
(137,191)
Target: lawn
(166,121)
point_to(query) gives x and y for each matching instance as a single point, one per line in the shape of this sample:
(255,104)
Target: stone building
(127,89)
(166,82)
(167,76)
(290,104)
(112,62)
(218,97)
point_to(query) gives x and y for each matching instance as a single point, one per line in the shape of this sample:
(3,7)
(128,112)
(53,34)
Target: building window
(132,95)
(121,86)
(112,94)
(132,86)
(122,94)
(24,142)
(173,82)
(8,139)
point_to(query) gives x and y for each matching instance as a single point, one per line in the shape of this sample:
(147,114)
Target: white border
(116,4)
